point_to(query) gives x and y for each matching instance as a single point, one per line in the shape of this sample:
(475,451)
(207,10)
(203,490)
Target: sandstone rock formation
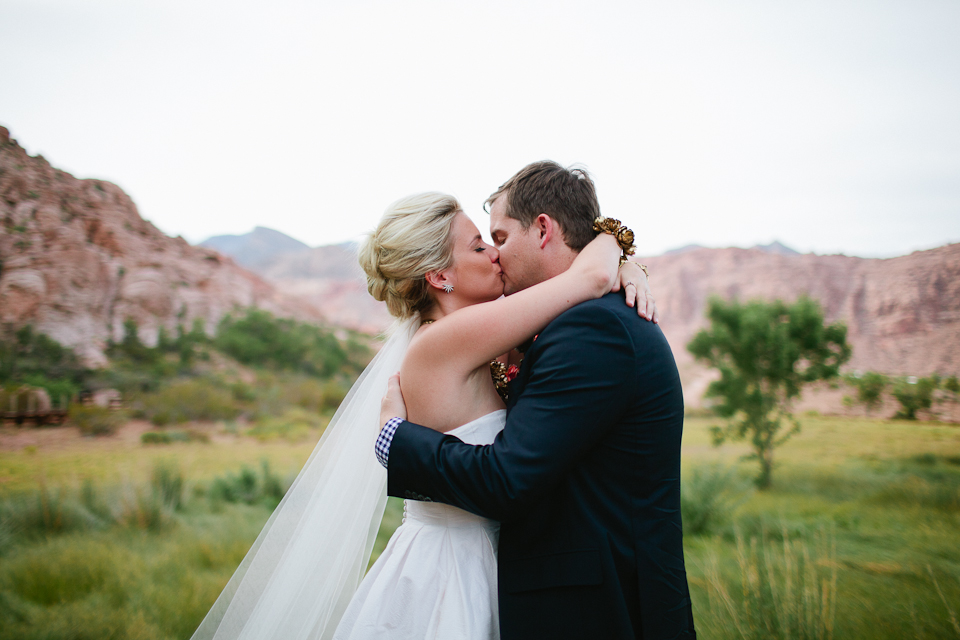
(902,314)
(76,260)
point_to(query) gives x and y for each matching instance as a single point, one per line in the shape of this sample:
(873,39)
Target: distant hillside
(902,314)
(255,249)
(774,247)
(328,277)
(76,260)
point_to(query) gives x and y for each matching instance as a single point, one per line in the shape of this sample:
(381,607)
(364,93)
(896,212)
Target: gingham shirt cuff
(385,439)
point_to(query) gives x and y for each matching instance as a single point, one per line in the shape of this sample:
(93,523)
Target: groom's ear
(546,227)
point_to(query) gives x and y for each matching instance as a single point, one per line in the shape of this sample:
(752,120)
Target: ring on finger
(628,284)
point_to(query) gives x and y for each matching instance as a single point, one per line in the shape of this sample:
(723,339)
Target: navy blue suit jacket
(584,478)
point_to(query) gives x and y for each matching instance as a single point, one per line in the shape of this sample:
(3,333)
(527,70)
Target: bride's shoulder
(426,347)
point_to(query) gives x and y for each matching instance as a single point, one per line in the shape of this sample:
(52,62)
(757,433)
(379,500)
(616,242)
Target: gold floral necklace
(501,373)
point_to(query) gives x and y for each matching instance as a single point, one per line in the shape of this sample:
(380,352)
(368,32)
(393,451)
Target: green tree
(952,384)
(870,387)
(914,394)
(259,338)
(31,357)
(765,353)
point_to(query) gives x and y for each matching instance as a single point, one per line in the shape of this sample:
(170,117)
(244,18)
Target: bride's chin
(494,295)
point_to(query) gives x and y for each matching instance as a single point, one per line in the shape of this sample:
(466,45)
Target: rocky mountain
(903,314)
(76,260)
(328,277)
(255,249)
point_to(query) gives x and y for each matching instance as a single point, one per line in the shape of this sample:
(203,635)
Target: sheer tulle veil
(303,569)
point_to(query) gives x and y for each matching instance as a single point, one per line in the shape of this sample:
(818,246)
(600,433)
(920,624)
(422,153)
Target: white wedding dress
(437,578)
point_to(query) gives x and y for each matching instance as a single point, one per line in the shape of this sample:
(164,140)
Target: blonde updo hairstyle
(412,239)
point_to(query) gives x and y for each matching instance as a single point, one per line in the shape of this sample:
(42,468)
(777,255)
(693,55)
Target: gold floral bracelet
(623,235)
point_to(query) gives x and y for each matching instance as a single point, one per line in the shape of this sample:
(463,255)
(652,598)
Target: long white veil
(306,564)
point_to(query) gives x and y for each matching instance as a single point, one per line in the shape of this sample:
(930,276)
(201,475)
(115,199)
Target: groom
(585,477)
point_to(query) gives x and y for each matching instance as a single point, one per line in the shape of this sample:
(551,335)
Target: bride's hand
(598,262)
(392,405)
(636,288)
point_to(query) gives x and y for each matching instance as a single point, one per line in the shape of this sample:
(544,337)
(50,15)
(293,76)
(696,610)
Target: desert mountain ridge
(902,314)
(77,260)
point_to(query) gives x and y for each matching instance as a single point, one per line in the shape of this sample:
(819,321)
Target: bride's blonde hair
(412,239)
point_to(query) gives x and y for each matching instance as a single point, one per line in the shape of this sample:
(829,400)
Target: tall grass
(784,589)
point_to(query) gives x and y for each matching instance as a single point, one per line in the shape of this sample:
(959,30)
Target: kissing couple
(546,506)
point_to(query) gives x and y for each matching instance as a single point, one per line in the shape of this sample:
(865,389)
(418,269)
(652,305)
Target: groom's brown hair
(565,194)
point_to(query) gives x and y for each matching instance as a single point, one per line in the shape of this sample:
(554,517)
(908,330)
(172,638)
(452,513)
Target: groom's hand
(392,405)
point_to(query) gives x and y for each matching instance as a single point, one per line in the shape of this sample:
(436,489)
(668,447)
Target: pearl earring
(448,288)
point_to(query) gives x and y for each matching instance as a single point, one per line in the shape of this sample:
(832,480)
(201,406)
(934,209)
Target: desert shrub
(173,435)
(914,395)
(333,395)
(709,496)
(144,509)
(248,487)
(62,572)
(259,338)
(26,353)
(952,384)
(870,387)
(304,392)
(96,421)
(294,424)
(184,400)
(93,500)
(45,512)
(167,482)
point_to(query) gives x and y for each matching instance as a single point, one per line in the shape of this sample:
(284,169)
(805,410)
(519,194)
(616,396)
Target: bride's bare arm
(475,335)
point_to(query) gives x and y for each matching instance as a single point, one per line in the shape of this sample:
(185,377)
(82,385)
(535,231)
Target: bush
(145,510)
(870,387)
(246,487)
(169,437)
(64,573)
(96,421)
(333,395)
(198,399)
(914,394)
(167,482)
(708,498)
(258,338)
(294,424)
(44,512)
(27,353)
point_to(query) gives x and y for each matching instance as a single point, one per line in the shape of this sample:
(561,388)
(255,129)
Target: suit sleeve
(580,372)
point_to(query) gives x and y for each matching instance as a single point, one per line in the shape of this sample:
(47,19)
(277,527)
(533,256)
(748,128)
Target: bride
(437,578)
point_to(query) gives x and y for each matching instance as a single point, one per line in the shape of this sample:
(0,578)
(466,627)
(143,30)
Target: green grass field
(858,537)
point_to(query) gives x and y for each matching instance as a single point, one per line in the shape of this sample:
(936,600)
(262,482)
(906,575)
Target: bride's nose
(494,254)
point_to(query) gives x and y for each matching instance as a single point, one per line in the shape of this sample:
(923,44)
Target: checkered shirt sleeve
(385,439)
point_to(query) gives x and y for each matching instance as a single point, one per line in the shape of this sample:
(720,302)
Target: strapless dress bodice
(483,430)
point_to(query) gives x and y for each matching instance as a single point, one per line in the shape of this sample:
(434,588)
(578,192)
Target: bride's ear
(438,280)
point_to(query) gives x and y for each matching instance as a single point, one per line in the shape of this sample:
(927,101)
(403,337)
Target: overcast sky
(830,126)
